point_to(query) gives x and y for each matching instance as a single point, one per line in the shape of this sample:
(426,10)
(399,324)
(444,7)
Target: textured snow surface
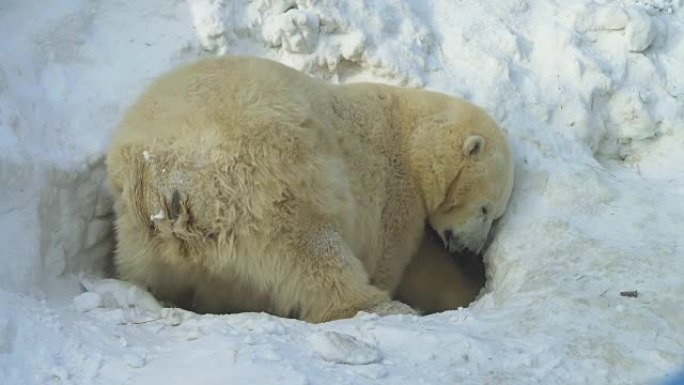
(591,93)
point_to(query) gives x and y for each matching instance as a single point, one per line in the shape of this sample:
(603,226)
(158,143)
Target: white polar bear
(243,185)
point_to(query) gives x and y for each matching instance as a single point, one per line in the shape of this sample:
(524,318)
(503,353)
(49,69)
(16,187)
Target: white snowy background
(591,93)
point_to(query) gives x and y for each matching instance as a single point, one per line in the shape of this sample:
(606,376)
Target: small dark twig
(599,169)
(632,294)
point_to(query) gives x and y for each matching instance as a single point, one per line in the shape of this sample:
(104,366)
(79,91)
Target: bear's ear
(473,145)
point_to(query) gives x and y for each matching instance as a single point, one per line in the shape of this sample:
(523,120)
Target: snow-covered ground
(591,92)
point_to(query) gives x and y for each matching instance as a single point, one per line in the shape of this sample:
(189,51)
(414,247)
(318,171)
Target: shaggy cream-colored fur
(243,185)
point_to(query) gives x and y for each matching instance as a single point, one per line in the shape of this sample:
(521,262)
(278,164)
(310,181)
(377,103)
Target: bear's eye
(484,210)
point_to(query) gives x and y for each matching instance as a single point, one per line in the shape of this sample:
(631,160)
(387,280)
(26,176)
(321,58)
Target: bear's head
(464,166)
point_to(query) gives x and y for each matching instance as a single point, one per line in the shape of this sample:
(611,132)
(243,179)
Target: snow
(344,349)
(591,93)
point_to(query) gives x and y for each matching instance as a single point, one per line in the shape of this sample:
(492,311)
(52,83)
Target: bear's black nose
(454,245)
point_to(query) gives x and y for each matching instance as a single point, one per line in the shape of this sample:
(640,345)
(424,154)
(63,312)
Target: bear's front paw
(391,307)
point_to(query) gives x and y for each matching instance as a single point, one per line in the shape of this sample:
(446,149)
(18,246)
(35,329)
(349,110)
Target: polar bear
(241,184)
(436,280)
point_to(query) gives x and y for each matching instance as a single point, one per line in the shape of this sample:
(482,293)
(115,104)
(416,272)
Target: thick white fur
(241,184)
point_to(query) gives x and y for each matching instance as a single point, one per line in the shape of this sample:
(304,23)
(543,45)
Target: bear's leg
(229,294)
(325,281)
(139,264)
(435,282)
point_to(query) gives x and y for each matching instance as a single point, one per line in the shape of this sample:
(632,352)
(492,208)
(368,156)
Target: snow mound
(344,349)
(321,38)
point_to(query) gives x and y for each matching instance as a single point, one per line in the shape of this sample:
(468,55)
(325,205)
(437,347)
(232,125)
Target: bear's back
(236,140)
(230,93)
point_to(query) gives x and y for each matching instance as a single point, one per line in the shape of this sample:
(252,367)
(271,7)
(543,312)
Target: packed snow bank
(590,92)
(62,89)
